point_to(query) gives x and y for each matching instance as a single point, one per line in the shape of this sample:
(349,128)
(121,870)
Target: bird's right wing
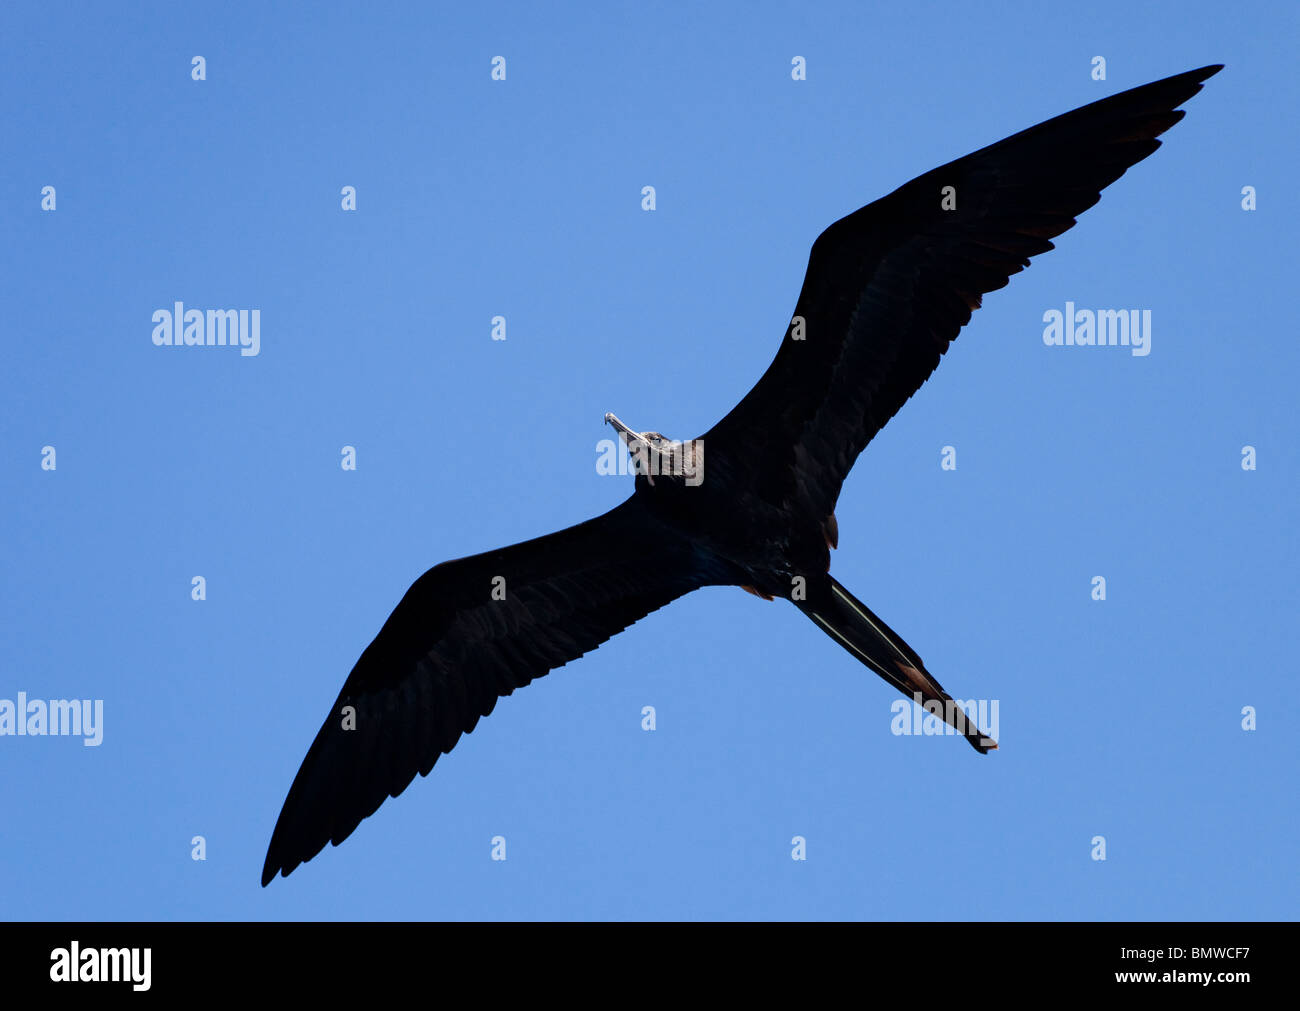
(466,633)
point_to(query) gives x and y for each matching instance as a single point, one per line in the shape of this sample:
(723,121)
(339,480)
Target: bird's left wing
(890,286)
(466,633)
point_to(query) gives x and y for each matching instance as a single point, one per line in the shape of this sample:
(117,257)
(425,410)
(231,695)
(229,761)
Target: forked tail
(852,624)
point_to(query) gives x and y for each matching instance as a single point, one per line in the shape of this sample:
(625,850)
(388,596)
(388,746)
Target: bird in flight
(751,503)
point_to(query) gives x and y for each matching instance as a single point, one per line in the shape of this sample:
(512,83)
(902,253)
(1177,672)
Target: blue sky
(522,198)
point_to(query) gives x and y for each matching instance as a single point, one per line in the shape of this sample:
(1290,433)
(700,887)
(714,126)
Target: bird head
(654,455)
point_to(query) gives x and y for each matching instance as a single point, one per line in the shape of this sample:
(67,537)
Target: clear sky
(522,198)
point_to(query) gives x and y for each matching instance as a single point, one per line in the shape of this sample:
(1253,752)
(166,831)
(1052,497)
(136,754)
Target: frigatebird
(751,503)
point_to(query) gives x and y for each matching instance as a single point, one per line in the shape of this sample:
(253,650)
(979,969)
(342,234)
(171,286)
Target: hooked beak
(626,434)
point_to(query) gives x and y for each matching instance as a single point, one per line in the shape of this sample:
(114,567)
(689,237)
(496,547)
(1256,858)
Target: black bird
(750,503)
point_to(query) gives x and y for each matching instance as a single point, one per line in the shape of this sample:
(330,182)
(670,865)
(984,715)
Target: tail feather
(855,627)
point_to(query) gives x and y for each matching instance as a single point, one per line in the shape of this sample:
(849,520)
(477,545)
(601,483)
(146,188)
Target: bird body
(750,503)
